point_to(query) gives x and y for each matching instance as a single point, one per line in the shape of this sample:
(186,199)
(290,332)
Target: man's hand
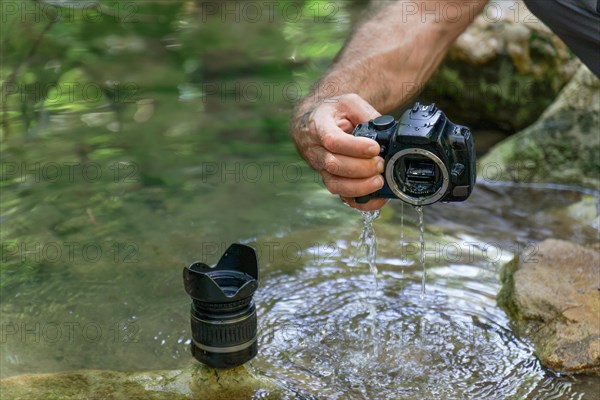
(350,166)
(390,54)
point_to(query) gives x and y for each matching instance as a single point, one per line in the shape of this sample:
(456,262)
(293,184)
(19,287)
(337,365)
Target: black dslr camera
(427,157)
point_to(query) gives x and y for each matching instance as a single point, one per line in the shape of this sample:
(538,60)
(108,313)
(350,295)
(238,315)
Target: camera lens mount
(395,186)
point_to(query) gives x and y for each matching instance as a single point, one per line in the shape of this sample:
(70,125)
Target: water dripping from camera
(419,210)
(368,244)
(402,234)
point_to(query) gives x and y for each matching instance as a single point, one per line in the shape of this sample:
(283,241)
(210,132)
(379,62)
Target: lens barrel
(223,313)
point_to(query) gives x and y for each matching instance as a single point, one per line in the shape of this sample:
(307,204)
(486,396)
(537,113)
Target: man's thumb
(357,109)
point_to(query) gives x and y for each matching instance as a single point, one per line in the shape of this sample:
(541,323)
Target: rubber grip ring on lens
(224,335)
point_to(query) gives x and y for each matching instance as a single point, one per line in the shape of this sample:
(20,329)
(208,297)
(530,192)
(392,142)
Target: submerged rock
(198,382)
(562,146)
(553,299)
(586,211)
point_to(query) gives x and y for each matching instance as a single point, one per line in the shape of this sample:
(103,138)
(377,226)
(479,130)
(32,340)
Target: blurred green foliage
(78,56)
(149,90)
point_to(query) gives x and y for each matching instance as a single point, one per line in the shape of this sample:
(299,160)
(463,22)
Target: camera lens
(223,314)
(417,176)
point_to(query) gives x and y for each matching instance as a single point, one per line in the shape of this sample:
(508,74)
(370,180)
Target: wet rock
(194,382)
(553,299)
(562,146)
(503,71)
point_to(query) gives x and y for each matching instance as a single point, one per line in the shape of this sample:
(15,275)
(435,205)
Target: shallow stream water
(104,203)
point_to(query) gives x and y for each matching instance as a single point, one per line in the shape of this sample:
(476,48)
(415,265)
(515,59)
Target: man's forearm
(395,51)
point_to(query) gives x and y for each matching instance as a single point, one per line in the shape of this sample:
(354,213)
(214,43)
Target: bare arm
(397,48)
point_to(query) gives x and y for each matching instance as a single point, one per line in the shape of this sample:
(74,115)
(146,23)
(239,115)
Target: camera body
(427,157)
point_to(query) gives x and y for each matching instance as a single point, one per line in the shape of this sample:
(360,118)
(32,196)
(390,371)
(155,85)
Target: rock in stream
(197,382)
(553,299)
(561,147)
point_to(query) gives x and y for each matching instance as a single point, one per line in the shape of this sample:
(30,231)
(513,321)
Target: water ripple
(452,344)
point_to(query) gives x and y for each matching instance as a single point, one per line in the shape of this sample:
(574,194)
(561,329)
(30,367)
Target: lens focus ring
(224,333)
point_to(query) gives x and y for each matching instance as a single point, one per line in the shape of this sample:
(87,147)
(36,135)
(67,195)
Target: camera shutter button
(383,122)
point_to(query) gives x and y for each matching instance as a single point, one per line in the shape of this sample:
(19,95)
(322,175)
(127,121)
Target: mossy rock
(552,299)
(195,382)
(502,72)
(561,147)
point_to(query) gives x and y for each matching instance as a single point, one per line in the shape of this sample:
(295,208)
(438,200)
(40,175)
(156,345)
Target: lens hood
(223,313)
(235,277)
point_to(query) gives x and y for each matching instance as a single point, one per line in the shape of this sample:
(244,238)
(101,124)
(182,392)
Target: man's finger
(336,119)
(337,141)
(348,187)
(350,167)
(371,205)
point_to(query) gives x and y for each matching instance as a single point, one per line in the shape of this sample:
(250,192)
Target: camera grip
(362,199)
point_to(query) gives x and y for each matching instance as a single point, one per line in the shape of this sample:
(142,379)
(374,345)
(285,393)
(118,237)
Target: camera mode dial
(383,122)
